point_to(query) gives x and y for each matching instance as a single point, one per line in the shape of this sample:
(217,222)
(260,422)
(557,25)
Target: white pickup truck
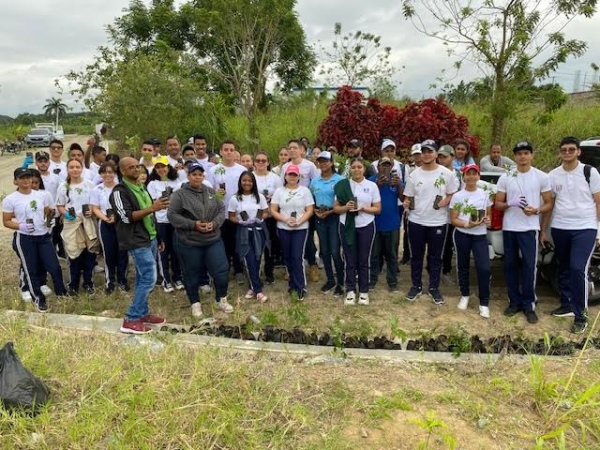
(56,130)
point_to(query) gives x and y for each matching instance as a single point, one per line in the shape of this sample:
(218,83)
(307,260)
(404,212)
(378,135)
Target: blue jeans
(520,272)
(329,247)
(144,259)
(573,250)
(197,260)
(465,244)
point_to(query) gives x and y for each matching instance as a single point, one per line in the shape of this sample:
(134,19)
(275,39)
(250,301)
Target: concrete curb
(111,326)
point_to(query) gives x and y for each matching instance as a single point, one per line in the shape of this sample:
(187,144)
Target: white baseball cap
(415,149)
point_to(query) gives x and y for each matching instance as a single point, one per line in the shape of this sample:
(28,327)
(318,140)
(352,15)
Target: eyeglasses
(261,160)
(569,151)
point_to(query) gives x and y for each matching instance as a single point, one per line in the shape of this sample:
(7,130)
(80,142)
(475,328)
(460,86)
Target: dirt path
(9,162)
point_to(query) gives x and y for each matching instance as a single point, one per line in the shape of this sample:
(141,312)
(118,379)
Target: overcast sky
(41,40)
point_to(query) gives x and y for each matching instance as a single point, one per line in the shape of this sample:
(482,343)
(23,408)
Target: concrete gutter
(321,353)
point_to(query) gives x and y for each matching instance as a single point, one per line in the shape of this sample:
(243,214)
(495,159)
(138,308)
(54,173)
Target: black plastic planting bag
(19,389)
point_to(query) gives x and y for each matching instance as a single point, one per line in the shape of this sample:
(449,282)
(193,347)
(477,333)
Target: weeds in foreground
(435,428)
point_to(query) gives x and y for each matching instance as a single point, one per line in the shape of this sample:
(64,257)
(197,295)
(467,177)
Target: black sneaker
(531,316)
(41,306)
(327,287)
(563,311)
(436,296)
(124,287)
(89,290)
(339,291)
(579,326)
(394,289)
(511,311)
(413,293)
(270,280)
(110,289)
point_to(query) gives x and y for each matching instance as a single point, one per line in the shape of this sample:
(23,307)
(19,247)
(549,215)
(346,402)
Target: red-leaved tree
(351,117)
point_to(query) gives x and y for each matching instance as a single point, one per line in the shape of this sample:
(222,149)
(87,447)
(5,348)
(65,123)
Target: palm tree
(55,107)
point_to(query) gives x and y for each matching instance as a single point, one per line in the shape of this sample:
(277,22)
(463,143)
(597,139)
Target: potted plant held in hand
(439,184)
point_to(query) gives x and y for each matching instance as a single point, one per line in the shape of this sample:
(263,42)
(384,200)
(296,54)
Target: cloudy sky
(41,40)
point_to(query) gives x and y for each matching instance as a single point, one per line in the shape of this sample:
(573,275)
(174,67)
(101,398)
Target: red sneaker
(134,327)
(152,319)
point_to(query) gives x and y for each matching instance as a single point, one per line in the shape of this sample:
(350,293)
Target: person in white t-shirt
(79,232)
(115,260)
(267,183)
(25,211)
(292,206)
(576,190)
(428,192)
(57,165)
(523,193)
(248,209)
(226,175)
(76,152)
(308,172)
(357,200)
(163,181)
(470,213)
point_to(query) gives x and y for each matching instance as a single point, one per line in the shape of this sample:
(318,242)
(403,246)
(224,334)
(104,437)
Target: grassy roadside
(110,391)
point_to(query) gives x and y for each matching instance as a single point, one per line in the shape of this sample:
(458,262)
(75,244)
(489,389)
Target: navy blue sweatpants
(574,249)
(465,244)
(292,244)
(432,238)
(358,257)
(115,260)
(520,273)
(168,262)
(38,255)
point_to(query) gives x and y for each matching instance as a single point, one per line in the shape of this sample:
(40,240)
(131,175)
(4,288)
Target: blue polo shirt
(322,190)
(389,218)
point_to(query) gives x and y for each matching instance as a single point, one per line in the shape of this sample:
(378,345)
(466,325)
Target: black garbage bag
(19,388)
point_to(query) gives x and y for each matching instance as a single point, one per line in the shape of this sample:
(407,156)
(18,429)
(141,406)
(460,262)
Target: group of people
(188,217)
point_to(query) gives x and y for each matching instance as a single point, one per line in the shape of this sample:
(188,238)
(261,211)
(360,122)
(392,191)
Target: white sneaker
(205,289)
(463,302)
(196,310)
(26,296)
(224,305)
(168,287)
(350,298)
(363,299)
(484,312)
(45,290)
(249,294)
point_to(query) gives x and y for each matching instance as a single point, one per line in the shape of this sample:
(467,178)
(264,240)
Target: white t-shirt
(530,184)
(95,168)
(367,193)
(308,172)
(574,205)
(155,189)
(59,169)
(289,201)
(480,199)
(51,183)
(99,197)
(247,203)
(29,206)
(269,182)
(79,194)
(424,186)
(228,175)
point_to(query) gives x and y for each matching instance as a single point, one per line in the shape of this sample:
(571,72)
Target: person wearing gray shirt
(495,162)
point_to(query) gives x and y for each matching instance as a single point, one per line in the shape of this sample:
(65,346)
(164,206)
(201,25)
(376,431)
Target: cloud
(43,40)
